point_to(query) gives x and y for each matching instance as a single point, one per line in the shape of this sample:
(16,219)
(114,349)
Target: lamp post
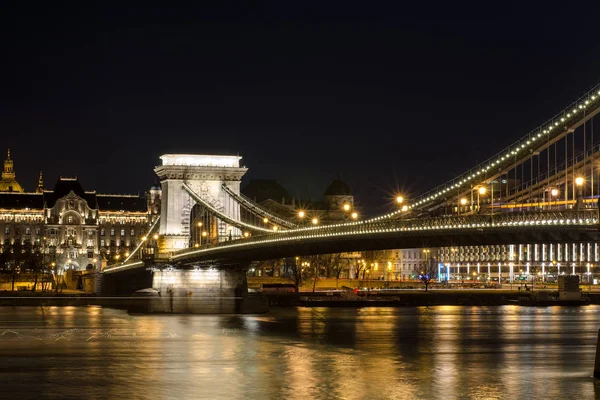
(553,193)
(463,202)
(579,183)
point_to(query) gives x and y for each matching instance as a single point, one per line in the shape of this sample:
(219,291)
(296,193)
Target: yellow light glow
(399,199)
(354,215)
(127,254)
(144,238)
(199,224)
(346,207)
(482,190)
(315,221)
(196,245)
(554,192)
(275,228)
(266,220)
(405,208)
(155,237)
(204,233)
(94,260)
(579,181)
(246,234)
(301,214)
(463,201)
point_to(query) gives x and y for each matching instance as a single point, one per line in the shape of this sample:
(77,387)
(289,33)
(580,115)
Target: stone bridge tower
(205,174)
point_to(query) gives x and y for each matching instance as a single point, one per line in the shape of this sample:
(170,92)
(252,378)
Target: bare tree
(428,272)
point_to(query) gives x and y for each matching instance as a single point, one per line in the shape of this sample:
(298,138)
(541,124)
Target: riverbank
(412,298)
(408,298)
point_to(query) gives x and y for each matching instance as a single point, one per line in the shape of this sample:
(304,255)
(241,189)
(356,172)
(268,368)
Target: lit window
(122,232)
(112,231)
(70,219)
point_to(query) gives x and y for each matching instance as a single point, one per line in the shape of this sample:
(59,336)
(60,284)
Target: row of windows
(112,232)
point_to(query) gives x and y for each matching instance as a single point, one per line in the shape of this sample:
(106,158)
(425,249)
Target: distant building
(73,227)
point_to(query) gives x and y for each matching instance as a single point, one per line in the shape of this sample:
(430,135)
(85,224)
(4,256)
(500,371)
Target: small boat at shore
(547,299)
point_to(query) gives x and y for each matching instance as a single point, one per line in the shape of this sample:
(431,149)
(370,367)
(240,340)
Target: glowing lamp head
(554,192)
(315,221)
(144,238)
(463,201)
(301,214)
(246,234)
(266,220)
(204,233)
(354,215)
(346,207)
(155,237)
(399,199)
(482,190)
(275,229)
(404,208)
(579,181)
(199,223)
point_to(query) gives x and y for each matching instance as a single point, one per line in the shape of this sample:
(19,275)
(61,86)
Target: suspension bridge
(541,190)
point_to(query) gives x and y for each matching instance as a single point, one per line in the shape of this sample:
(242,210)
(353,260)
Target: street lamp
(354,215)
(265,220)
(399,199)
(315,221)
(346,207)
(301,214)
(579,182)
(553,193)
(463,202)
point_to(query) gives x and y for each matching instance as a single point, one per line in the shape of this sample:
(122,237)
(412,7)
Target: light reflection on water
(370,353)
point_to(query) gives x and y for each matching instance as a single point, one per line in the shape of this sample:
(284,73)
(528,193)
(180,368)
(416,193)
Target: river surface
(301,353)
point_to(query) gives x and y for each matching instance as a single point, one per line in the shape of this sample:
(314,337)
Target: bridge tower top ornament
(205,175)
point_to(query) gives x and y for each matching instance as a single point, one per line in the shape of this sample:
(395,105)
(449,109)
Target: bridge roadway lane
(512,228)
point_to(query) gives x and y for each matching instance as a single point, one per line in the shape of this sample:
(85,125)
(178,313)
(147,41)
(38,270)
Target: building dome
(338,188)
(8,182)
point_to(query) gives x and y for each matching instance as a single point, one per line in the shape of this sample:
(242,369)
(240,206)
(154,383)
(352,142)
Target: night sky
(390,98)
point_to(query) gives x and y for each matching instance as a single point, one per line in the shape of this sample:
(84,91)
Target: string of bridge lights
(376,230)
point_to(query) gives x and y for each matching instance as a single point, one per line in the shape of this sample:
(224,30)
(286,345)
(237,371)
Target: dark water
(407,353)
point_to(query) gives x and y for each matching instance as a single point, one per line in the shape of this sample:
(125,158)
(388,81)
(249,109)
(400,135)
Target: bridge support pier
(204,291)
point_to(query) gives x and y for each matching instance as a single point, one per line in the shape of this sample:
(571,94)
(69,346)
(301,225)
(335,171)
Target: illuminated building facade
(73,228)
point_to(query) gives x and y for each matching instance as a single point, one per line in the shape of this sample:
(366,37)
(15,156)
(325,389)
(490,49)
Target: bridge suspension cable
(571,117)
(144,238)
(257,209)
(222,216)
